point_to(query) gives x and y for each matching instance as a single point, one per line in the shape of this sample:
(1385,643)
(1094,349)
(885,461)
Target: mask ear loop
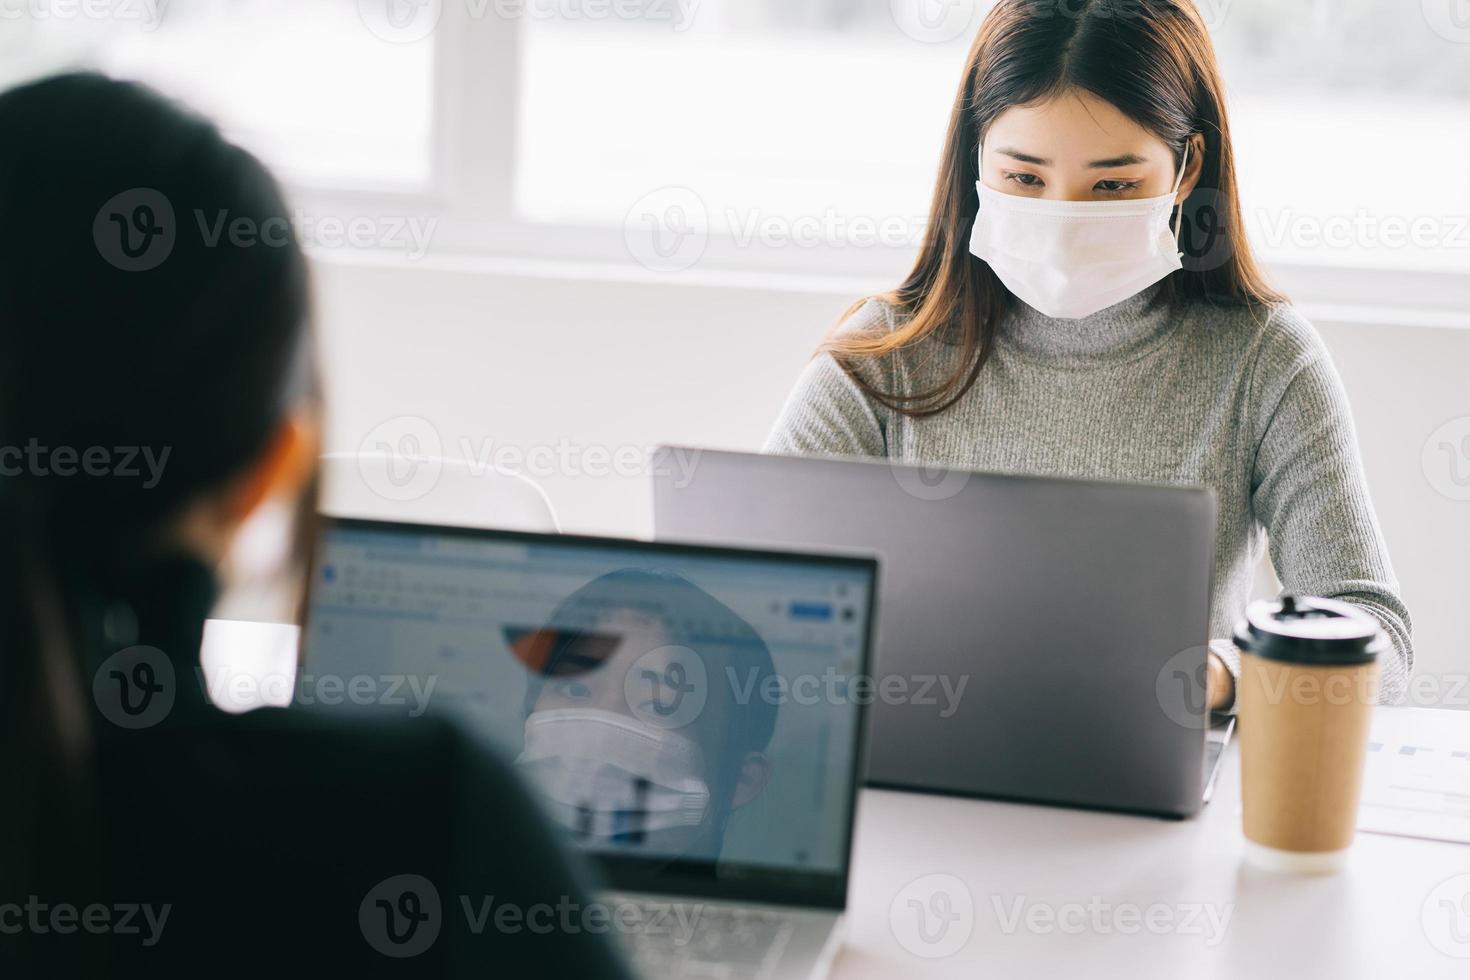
(1178,225)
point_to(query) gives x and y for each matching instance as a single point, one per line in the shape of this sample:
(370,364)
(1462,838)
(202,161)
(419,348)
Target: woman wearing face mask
(142,832)
(1050,327)
(619,757)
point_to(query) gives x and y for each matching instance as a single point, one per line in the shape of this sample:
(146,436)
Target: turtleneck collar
(1119,333)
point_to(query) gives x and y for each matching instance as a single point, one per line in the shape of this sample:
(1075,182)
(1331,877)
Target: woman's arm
(827,414)
(1309,491)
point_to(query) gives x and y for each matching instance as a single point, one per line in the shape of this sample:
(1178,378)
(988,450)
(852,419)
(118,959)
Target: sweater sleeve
(1309,492)
(828,413)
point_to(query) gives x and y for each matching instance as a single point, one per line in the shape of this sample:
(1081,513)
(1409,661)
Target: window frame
(470,198)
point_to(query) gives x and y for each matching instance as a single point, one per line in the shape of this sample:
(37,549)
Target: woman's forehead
(1071,128)
(631,620)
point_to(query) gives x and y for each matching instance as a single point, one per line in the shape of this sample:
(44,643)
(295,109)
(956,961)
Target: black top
(291,841)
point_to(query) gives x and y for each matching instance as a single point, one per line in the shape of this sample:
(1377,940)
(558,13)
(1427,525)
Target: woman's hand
(1219,684)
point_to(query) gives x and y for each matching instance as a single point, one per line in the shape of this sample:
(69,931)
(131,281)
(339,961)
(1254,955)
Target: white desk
(1368,922)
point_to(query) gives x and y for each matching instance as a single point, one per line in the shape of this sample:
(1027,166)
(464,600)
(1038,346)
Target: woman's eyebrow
(1006,151)
(1126,160)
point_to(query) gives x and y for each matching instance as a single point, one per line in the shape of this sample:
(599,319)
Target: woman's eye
(574,690)
(1025,180)
(1117,186)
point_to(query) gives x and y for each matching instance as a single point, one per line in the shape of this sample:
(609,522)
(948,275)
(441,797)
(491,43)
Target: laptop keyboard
(703,942)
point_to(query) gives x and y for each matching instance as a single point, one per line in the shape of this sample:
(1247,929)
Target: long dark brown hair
(1154,61)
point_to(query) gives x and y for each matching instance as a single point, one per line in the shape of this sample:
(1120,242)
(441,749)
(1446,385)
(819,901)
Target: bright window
(1351,117)
(306,84)
(543,127)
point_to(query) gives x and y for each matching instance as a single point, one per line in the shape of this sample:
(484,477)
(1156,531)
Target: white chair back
(250,665)
(432,490)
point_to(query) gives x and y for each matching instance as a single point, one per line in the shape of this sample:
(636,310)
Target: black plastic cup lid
(1310,631)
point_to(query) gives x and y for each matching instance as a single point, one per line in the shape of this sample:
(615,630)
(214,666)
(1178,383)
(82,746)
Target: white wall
(588,361)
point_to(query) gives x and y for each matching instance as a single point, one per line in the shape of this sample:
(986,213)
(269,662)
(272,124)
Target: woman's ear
(281,471)
(1193,167)
(755,772)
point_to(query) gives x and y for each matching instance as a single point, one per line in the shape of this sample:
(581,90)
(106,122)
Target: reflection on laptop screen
(671,703)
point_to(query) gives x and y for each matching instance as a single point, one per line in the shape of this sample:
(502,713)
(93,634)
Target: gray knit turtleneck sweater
(1246,402)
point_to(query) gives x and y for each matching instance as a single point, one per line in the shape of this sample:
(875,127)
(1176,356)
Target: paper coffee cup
(1308,684)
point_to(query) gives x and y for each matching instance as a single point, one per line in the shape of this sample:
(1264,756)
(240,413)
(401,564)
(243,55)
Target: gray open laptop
(657,698)
(1041,639)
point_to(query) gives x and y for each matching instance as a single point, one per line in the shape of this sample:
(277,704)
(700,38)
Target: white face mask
(1069,259)
(605,775)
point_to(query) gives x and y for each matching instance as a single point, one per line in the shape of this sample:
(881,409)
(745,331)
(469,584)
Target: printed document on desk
(1417,780)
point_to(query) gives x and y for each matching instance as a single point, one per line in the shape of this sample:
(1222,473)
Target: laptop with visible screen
(684,713)
(1051,633)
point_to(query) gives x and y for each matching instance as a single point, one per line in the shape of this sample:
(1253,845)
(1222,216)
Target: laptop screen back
(687,715)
